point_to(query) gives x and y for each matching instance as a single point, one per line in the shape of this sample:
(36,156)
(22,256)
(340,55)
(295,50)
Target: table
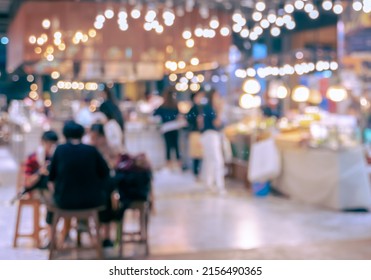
(334,179)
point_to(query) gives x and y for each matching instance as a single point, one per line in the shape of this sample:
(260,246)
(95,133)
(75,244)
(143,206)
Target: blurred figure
(78,174)
(169,115)
(195,145)
(213,161)
(84,116)
(110,108)
(38,163)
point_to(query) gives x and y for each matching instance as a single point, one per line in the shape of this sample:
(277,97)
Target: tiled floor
(192,223)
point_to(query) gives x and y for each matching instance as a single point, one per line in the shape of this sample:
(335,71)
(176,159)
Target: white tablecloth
(333,179)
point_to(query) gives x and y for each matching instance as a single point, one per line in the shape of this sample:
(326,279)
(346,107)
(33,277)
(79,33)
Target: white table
(334,179)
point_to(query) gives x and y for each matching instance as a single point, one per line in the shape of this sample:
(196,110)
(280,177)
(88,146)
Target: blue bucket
(261,189)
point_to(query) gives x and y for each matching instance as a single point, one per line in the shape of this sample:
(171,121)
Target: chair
(140,236)
(27,201)
(80,215)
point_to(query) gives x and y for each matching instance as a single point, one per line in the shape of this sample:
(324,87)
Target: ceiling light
(260,6)
(327,5)
(46,23)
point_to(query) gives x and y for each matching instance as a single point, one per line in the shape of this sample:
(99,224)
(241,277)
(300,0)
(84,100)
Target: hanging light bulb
(282,92)
(151,15)
(289,7)
(251,86)
(237,16)
(246,101)
(136,13)
(299,4)
(46,23)
(225,31)
(314,14)
(257,16)
(272,16)
(315,97)
(338,7)
(187,34)
(300,94)
(357,5)
(327,5)
(244,33)
(109,13)
(214,22)
(260,6)
(275,31)
(309,7)
(199,31)
(264,23)
(337,93)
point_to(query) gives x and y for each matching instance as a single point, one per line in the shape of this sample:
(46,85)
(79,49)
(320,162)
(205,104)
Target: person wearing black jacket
(110,109)
(78,174)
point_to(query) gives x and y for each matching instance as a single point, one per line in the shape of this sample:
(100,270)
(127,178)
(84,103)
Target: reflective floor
(193,223)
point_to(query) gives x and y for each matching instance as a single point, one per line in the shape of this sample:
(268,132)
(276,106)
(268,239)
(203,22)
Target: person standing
(195,145)
(110,108)
(169,114)
(213,160)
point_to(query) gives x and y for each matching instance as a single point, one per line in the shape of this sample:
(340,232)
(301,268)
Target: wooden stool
(141,236)
(35,204)
(80,215)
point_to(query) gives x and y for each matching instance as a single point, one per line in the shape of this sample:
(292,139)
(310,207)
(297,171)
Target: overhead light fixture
(327,5)
(337,93)
(300,94)
(338,7)
(251,86)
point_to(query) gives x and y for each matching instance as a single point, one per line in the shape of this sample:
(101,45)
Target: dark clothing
(209,115)
(192,116)
(167,114)
(112,111)
(196,166)
(80,175)
(172,143)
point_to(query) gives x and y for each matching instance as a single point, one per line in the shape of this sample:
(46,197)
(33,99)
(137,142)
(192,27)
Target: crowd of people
(204,122)
(86,168)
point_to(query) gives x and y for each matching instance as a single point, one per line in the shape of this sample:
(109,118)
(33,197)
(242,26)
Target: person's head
(96,133)
(108,94)
(73,131)
(169,96)
(49,140)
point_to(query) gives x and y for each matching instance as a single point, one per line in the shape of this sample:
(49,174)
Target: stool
(141,236)
(80,215)
(35,204)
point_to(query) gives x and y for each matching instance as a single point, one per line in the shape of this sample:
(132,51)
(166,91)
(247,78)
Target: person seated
(37,164)
(78,174)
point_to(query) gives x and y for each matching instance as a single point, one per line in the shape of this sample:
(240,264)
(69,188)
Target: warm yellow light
(32,39)
(34,87)
(300,94)
(173,77)
(246,101)
(181,64)
(195,61)
(34,95)
(282,92)
(44,37)
(190,43)
(168,64)
(91,86)
(337,93)
(315,97)
(55,75)
(195,87)
(75,85)
(67,85)
(200,78)
(81,86)
(46,23)
(92,108)
(189,75)
(92,33)
(38,50)
(85,38)
(169,49)
(47,103)
(50,50)
(251,86)
(57,35)
(79,35)
(62,47)
(75,40)
(57,42)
